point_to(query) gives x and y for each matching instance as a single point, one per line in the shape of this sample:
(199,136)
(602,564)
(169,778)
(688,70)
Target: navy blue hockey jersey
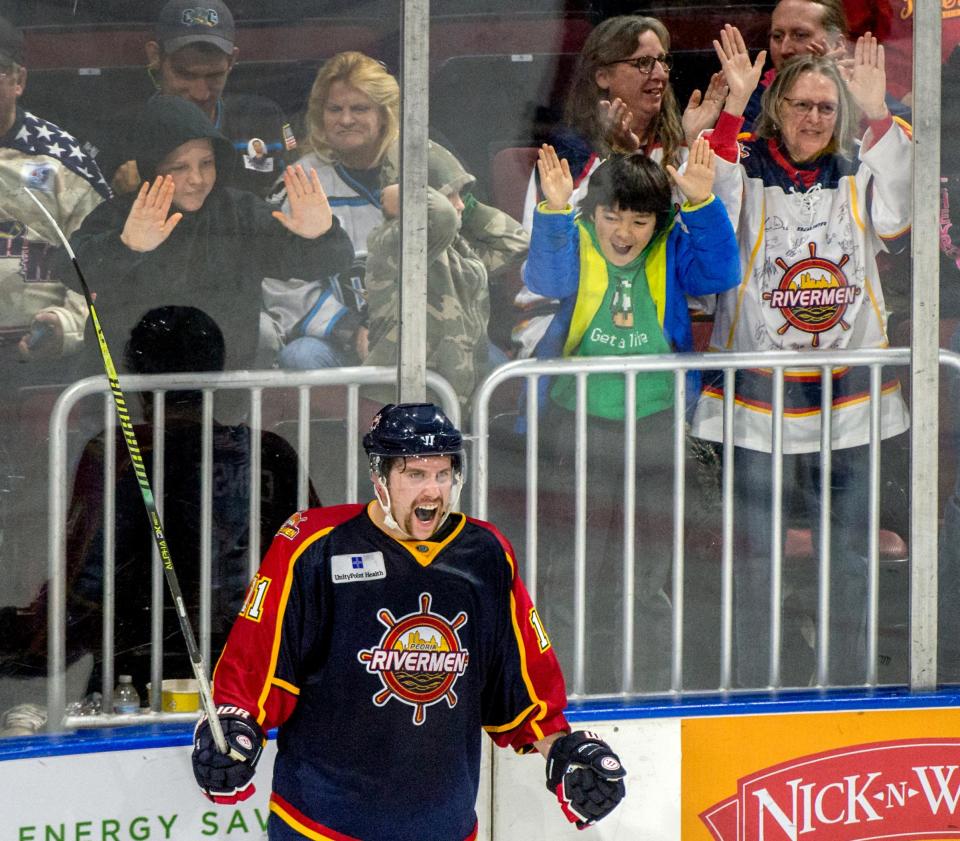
(382,661)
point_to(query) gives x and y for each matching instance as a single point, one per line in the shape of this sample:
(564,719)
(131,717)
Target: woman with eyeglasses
(812,211)
(620,100)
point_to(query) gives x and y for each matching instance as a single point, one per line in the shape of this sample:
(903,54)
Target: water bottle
(125,697)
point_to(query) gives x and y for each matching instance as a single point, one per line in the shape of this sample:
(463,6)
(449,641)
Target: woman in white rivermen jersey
(811,216)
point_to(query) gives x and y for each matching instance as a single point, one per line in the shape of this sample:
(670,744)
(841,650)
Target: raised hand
(868,79)
(310,215)
(148,224)
(740,73)
(555,178)
(696,182)
(703,109)
(616,122)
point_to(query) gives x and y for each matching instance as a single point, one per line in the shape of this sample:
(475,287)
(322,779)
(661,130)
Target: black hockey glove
(586,776)
(226,778)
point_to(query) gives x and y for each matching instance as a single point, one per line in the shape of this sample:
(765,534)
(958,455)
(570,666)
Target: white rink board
(649,750)
(127,795)
(149,794)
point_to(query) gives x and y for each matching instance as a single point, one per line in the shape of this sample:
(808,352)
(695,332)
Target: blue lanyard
(356,186)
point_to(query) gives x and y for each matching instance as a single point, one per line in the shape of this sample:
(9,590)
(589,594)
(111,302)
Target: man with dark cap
(39,317)
(191,55)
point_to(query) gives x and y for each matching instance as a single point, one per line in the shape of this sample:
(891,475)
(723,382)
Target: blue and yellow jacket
(696,255)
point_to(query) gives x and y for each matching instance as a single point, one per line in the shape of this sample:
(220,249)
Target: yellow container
(179,695)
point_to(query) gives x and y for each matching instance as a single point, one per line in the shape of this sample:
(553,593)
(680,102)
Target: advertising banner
(843,776)
(129,795)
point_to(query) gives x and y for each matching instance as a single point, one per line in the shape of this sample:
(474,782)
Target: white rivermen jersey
(808,242)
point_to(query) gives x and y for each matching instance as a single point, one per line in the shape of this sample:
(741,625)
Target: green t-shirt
(624,325)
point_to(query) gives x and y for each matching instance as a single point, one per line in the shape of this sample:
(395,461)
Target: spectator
(41,320)
(621,270)
(810,219)
(168,339)
(620,100)
(948,656)
(807,27)
(40,317)
(191,56)
(467,241)
(352,118)
(215,249)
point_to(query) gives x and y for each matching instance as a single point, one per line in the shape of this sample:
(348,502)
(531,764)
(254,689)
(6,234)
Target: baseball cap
(184,22)
(11,43)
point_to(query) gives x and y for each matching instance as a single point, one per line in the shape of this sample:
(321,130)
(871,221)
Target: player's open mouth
(425,513)
(622,250)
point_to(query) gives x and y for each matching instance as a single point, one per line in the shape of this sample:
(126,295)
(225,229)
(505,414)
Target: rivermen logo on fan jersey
(418,660)
(907,789)
(813,295)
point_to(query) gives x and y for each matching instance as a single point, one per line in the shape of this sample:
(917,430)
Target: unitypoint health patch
(361,567)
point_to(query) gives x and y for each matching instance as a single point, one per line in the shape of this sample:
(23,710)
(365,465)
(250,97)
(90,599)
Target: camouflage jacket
(462,254)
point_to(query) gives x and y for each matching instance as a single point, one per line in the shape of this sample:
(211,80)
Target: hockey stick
(133,448)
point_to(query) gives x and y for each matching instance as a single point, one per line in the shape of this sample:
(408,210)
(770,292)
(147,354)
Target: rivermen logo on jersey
(907,789)
(291,528)
(418,660)
(813,295)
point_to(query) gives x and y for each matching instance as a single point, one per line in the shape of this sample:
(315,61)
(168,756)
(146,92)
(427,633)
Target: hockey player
(381,639)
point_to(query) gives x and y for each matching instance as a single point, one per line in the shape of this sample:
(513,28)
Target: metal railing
(824,361)
(255,383)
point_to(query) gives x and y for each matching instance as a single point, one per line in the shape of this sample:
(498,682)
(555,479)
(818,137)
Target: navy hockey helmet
(411,430)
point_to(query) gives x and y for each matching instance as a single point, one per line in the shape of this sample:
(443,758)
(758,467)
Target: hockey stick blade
(156,527)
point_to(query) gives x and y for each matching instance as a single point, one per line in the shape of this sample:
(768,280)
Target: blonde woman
(352,118)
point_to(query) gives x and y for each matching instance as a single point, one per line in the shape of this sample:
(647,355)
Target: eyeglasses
(645,63)
(805,106)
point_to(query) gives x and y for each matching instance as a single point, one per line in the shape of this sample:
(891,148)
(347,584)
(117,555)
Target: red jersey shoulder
(302,524)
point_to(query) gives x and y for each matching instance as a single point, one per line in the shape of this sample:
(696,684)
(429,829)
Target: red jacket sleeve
(723,137)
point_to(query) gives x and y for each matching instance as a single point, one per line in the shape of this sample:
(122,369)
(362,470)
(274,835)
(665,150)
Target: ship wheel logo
(813,295)
(418,660)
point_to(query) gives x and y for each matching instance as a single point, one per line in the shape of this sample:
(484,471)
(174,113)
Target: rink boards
(824,768)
